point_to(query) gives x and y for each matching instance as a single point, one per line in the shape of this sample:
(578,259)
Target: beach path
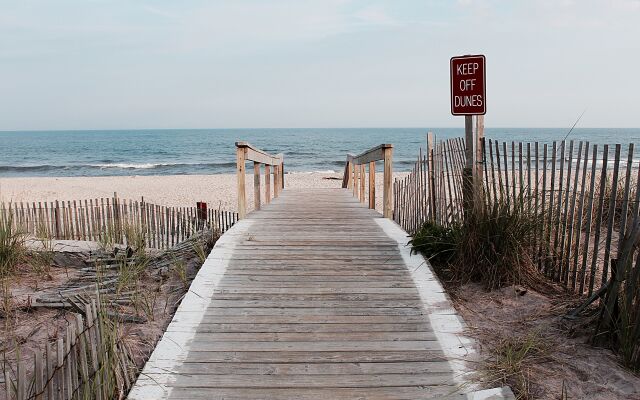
(314,296)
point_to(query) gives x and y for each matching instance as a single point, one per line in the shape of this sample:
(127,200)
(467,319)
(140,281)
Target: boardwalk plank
(315,296)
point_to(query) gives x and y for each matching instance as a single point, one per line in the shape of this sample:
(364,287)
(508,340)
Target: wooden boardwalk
(313,297)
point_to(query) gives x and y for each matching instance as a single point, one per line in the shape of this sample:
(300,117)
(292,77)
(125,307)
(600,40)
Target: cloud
(375,15)
(251,24)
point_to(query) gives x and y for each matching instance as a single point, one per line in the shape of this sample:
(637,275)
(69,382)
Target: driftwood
(103,273)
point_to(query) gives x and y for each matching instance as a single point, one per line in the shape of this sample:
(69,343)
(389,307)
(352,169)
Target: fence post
(479,165)
(388,176)
(57,219)
(256,185)
(117,222)
(240,172)
(431,177)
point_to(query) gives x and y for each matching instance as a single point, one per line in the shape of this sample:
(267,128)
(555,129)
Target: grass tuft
(494,246)
(508,366)
(12,249)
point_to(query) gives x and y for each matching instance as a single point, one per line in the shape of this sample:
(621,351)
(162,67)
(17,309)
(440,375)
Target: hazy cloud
(251,63)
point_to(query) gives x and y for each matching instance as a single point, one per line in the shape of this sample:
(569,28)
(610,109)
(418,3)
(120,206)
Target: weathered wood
(388,176)
(362,183)
(571,248)
(82,351)
(276,181)
(256,185)
(254,154)
(374,154)
(60,370)
(300,299)
(599,210)
(240,172)
(50,369)
(611,214)
(625,198)
(431,176)
(372,185)
(356,179)
(38,371)
(267,184)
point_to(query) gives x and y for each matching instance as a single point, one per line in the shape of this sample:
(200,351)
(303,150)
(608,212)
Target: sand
(586,372)
(219,191)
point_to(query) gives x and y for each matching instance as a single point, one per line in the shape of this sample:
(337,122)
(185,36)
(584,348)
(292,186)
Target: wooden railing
(355,175)
(245,152)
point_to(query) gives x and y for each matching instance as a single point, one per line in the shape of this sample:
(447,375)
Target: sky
(124,64)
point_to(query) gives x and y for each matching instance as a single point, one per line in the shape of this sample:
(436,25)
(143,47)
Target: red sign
(468,91)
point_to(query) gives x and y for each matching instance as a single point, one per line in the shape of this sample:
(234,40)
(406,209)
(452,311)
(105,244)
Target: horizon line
(292,128)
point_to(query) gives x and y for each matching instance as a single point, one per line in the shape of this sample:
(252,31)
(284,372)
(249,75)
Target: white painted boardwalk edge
(448,327)
(174,344)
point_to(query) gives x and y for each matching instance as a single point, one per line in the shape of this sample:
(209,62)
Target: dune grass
(493,246)
(12,249)
(509,363)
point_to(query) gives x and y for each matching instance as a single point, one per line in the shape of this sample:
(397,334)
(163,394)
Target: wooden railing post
(350,174)
(362,178)
(256,185)
(273,164)
(240,171)
(356,170)
(346,178)
(372,185)
(267,183)
(276,181)
(388,175)
(356,175)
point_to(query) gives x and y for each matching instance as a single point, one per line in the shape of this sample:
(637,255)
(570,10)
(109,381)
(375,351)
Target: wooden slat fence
(585,194)
(111,219)
(86,363)
(432,191)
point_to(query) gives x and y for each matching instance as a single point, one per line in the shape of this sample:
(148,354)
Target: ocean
(212,151)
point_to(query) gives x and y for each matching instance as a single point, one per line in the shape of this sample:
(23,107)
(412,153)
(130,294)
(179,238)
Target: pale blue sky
(92,64)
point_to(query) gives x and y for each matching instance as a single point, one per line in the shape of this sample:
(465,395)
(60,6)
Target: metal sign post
(468,98)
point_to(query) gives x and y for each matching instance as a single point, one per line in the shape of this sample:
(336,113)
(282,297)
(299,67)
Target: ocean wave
(126,166)
(31,168)
(322,171)
(115,165)
(161,165)
(341,163)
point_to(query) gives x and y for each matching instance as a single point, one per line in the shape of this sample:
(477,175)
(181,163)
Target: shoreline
(218,190)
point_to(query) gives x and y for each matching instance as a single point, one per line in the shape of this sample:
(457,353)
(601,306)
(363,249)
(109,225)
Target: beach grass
(494,246)
(510,360)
